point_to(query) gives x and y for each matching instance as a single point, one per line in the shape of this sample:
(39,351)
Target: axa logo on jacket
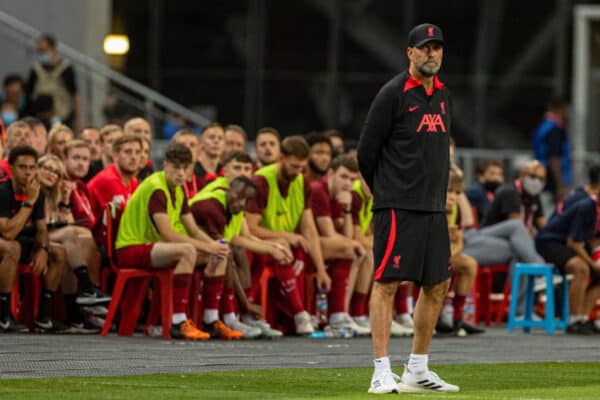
(432,122)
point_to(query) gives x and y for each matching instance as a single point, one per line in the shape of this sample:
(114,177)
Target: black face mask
(491,186)
(316,169)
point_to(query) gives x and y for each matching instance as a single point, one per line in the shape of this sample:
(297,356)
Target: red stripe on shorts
(388,249)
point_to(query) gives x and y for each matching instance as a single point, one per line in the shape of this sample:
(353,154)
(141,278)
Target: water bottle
(469,310)
(345,333)
(448,313)
(321,306)
(342,333)
(214,259)
(155,330)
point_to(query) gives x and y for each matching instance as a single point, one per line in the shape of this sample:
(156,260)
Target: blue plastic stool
(549,323)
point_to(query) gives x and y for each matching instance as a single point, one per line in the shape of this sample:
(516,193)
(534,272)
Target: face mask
(43,58)
(8,117)
(491,186)
(533,186)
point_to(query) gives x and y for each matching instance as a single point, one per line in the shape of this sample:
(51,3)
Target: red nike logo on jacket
(412,108)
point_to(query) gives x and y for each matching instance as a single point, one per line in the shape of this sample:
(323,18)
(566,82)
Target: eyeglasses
(51,170)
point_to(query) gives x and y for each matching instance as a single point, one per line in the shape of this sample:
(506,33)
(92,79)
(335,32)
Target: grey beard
(428,71)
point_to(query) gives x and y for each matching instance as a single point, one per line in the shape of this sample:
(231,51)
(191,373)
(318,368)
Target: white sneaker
(400,329)
(350,324)
(540,282)
(80,328)
(382,383)
(266,329)
(94,321)
(98,310)
(250,332)
(363,322)
(425,382)
(405,320)
(303,324)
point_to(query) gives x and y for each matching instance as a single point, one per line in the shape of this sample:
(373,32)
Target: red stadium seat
(138,281)
(488,303)
(26,309)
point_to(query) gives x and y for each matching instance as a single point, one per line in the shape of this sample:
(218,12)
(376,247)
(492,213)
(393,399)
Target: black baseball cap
(424,33)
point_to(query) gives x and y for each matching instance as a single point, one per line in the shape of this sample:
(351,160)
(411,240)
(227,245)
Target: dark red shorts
(136,256)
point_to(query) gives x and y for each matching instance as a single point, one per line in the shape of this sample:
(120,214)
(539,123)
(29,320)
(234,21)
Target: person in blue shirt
(562,242)
(490,175)
(589,190)
(551,147)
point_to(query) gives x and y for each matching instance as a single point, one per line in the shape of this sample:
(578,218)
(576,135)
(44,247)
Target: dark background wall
(304,65)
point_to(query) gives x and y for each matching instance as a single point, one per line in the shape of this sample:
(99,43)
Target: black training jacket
(403,151)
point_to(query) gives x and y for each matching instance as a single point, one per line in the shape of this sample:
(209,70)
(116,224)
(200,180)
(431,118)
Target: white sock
(382,364)
(417,363)
(248,318)
(583,318)
(573,319)
(229,319)
(336,317)
(210,315)
(410,302)
(178,318)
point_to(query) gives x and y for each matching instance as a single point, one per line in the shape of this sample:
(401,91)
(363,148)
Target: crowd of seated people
(301,210)
(512,228)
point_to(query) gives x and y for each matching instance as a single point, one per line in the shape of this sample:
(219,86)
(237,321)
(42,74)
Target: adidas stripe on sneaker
(427,381)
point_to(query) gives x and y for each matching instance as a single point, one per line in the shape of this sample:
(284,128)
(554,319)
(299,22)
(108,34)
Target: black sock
(84,278)
(5,311)
(72,308)
(45,308)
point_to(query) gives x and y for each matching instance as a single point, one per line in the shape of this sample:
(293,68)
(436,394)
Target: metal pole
(580,87)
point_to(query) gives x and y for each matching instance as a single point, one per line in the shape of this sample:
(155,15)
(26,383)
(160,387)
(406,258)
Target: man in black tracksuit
(404,158)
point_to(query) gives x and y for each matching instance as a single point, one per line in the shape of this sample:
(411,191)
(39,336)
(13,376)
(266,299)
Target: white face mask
(533,186)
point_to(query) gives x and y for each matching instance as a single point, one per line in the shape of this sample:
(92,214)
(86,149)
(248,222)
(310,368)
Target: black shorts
(27,244)
(554,252)
(557,253)
(411,246)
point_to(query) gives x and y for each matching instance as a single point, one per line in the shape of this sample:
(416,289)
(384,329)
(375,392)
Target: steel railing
(150,98)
